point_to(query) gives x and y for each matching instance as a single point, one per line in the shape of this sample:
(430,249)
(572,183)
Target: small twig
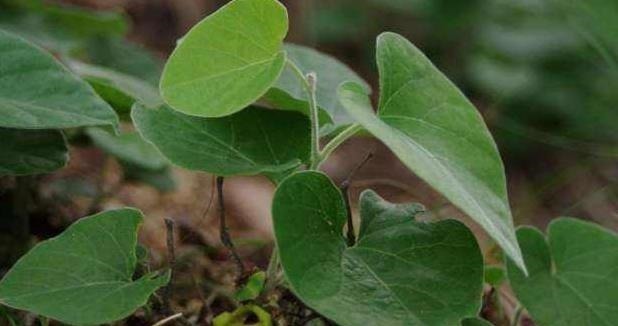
(171,252)
(224,232)
(345,187)
(168,319)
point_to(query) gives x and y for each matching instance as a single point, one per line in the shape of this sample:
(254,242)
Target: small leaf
(27,152)
(289,93)
(573,274)
(129,148)
(84,275)
(228,60)
(36,92)
(400,272)
(253,141)
(117,89)
(437,133)
(238,317)
(253,287)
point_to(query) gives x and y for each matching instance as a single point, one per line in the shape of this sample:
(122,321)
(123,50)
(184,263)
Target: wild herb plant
(236,100)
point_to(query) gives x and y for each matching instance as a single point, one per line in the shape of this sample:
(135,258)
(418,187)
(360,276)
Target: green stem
(336,141)
(309,82)
(517,316)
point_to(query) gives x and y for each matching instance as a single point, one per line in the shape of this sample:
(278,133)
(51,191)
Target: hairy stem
(309,82)
(224,233)
(171,253)
(334,143)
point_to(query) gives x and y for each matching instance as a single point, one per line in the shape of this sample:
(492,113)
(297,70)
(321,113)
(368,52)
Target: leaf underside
(573,274)
(84,275)
(289,93)
(399,272)
(438,134)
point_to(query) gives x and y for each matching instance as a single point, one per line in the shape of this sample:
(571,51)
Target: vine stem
(336,141)
(309,82)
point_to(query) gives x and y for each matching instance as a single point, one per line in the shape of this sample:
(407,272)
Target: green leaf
(125,57)
(252,141)
(289,93)
(37,92)
(494,275)
(84,276)
(31,151)
(437,133)
(573,274)
(129,148)
(475,321)
(228,60)
(253,287)
(162,180)
(239,316)
(400,272)
(118,89)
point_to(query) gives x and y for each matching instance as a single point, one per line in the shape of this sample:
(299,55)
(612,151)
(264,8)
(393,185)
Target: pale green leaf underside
(249,142)
(37,92)
(25,152)
(118,89)
(289,93)
(228,60)
(573,274)
(129,148)
(84,275)
(437,133)
(400,272)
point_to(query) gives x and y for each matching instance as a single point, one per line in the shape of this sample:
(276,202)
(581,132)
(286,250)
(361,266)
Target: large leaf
(289,93)
(83,276)
(228,60)
(573,274)
(129,148)
(26,152)
(252,141)
(36,92)
(437,133)
(400,272)
(118,89)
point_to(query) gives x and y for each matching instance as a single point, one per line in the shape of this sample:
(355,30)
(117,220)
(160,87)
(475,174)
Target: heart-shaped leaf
(400,272)
(84,276)
(249,142)
(573,274)
(228,60)
(129,148)
(118,89)
(289,93)
(437,133)
(31,151)
(37,92)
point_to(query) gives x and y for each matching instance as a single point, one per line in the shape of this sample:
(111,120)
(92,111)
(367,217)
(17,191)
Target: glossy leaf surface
(573,274)
(37,92)
(252,141)
(438,134)
(228,60)
(400,272)
(84,276)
